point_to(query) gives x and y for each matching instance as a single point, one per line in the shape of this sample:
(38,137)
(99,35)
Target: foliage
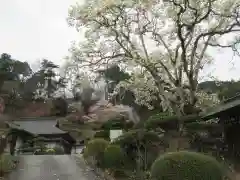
(95,149)
(141,144)
(12,69)
(49,151)
(114,157)
(86,92)
(58,150)
(186,165)
(224,89)
(7,163)
(164,44)
(59,107)
(118,123)
(139,137)
(166,121)
(103,134)
(45,81)
(113,75)
(13,74)
(159,116)
(162,121)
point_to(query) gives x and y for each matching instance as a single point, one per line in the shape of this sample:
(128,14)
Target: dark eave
(222,108)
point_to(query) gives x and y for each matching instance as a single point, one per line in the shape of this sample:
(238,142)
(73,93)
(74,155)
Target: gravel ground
(52,167)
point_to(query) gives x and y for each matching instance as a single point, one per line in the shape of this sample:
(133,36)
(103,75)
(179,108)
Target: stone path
(52,167)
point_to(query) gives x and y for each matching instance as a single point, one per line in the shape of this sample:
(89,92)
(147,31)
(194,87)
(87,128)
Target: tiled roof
(227,105)
(37,125)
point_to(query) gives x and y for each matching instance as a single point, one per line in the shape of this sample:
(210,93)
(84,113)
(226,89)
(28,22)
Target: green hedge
(105,134)
(113,157)
(186,165)
(7,164)
(167,121)
(147,141)
(117,124)
(58,150)
(95,149)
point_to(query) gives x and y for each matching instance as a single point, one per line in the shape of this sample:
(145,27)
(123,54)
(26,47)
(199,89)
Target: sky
(31,30)
(34,29)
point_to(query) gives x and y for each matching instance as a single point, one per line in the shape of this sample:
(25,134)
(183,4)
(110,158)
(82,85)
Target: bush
(7,163)
(102,134)
(59,107)
(58,150)
(186,165)
(117,123)
(167,121)
(113,157)
(49,151)
(164,122)
(95,150)
(146,141)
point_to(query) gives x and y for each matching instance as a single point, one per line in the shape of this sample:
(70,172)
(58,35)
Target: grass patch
(7,164)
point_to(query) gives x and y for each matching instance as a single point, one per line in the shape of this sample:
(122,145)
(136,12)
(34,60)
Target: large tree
(45,82)
(165,43)
(13,70)
(13,74)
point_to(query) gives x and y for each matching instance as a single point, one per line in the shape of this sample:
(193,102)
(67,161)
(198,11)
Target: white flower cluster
(206,100)
(149,35)
(143,88)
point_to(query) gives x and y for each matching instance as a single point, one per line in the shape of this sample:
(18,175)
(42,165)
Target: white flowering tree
(165,43)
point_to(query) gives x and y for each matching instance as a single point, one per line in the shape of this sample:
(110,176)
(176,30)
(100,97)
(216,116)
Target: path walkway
(48,167)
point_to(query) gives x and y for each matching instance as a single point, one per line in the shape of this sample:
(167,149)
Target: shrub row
(180,165)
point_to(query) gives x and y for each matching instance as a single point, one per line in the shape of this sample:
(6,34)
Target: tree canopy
(165,44)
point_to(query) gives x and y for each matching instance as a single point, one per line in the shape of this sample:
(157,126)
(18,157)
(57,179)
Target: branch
(164,44)
(233,46)
(141,37)
(197,67)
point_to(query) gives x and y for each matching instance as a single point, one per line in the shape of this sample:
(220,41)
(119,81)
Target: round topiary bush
(58,150)
(186,165)
(113,157)
(117,123)
(165,122)
(95,150)
(103,134)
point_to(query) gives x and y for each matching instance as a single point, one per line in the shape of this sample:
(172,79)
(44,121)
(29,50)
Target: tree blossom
(206,100)
(168,40)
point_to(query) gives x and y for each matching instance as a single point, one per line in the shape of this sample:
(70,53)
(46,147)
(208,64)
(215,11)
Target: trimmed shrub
(58,150)
(8,163)
(191,118)
(95,150)
(49,151)
(184,165)
(102,134)
(164,122)
(114,124)
(142,140)
(168,122)
(113,157)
